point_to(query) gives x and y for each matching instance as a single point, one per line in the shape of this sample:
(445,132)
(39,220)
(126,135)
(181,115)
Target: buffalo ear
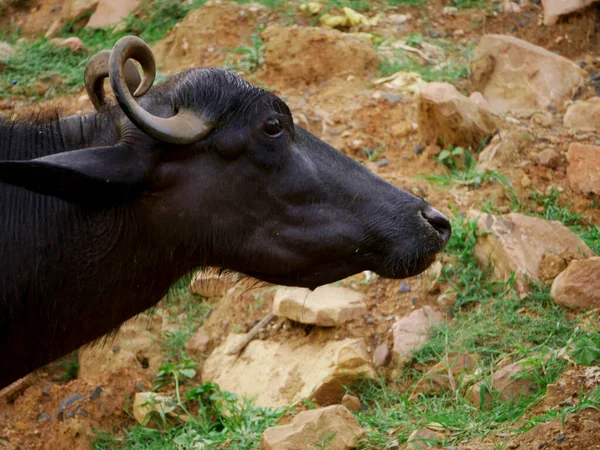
(91,177)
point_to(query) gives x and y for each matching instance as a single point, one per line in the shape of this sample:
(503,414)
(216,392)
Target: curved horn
(183,128)
(97,70)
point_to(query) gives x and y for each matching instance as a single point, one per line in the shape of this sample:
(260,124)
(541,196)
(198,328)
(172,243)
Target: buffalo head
(215,170)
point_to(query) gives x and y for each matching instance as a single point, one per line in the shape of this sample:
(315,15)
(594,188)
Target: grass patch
(452,67)
(407,2)
(219,421)
(62,69)
(461,168)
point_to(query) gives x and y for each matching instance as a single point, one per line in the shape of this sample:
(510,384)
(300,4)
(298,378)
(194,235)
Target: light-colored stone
(149,408)
(548,158)
(213,283)
(445,115)
(135,346)
(280,373)
(578,287)
(74,43)
(340,55)
(54,29)
(424,438)
(411,331)
(583,171)
(334,425)
(553,9)
(326,306)
(111,12)
(351,402)
(382,355)
(504,148)
(518,77)
(446,375)
(6,50)
(199,343)
(518,243)
(512,381)
(583,116)
(76,9)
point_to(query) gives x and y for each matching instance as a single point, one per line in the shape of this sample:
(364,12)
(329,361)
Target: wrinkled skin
(99,219)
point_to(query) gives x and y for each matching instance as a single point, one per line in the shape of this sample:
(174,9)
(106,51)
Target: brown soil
(360,119)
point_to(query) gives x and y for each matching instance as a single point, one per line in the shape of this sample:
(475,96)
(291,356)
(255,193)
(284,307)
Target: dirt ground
(349,114)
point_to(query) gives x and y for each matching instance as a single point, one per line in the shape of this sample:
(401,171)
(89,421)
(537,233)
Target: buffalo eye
(272,127)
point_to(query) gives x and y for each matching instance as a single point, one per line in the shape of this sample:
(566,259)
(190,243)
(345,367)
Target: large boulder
(326,306)
(77,10)
(206,35)
(553,9)
(578,287)
(410,332)
(583,116)
(334,425)
(110,12)
(532,248)
(518,77)
(280,373)
(308,55)
(583,171)
(447,116)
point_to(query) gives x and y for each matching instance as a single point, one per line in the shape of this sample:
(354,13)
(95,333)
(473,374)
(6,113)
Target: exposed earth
(335,85)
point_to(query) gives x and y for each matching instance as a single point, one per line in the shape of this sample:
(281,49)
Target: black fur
(97,220)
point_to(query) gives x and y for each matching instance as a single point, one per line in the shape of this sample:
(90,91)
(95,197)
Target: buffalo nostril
(438,221)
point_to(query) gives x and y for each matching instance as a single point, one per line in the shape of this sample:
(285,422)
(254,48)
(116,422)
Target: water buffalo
(100,214)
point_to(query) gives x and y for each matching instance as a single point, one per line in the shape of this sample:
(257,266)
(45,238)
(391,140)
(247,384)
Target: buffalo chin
(390,267)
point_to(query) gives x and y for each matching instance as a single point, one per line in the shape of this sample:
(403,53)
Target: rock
(518,77)
(6,50)
(504,148)
(578,287)
(334,425)
(326,306)
(382,355)
(525,181)
(202,37)
(512,383)
(54,29)
(553,9)
(148,407)
(509,382)
(277,373)
(74,43)
(583,116)
(411,331)
(76,10)
(548,158)
(351,402)
(445,375)
(518,243)
(135,346)
(199,342)
(311,55)
(213,283)
(445,115)
(424,438)
(111,12)
(583,171)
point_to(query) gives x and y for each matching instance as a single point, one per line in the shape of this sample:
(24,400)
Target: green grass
(452,68)
(221,421)
(62,69)
(407,2)
(460,167)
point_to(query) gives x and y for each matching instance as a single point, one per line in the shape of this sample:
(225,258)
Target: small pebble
(582,64)
(404,287)
(535,2)
(522,22)
(370,320)
(512,28)
(418,149)
(435,34)
(45,418)
(382,162)
(69,400)
(96,393)
(560,438)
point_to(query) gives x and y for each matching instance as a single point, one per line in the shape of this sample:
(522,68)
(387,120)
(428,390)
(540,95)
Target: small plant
(461,168)
(252,56)
(587,349)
